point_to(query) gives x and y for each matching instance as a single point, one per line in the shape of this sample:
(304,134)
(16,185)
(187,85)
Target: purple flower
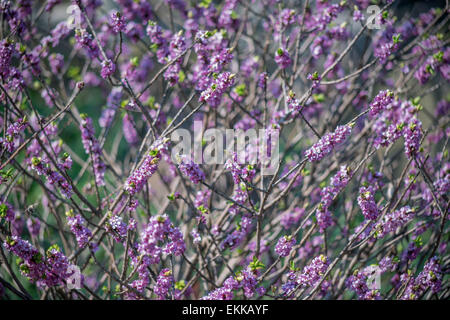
(202,198)
(54,177)
(78,227)
(282,58)
(326,144)
(129,130)
(191,170)
(118,22)
(139,177)
(245,280)
(159,231)
(284,246)
(12,136)
(359,282)
(51,270)
(57,267)
(112,103)
(324,218)
(412,134)
(59,32)
(235,238)
(384,50)
(429,278)
(313,272)
(338,183)
(86,40)
(387,264)
(367,203)
(108,68)
(34,226)
(201,202)
(92,148)
(6,52)
(380,102)
(222,58)
(357,14)
(291,217)
(239,171)
(56,62)
(262,80)
(32,262)
(117,228)
(163,284)
(219,85)
(176,47)
(393,220)
(315,78)
(196,238)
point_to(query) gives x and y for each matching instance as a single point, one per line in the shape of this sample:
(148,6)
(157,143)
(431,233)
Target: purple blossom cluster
(380,102)
(309,277)
(32,265)
(163,284)
(118,22)
(201,202)
(6,53)
(93,149)
(129,130)
(359,283)
(191,170)
(239,171)
(337,184)
(117,228)
(284,246)
(429,278)
(196,237)
(86,41)
(49,270)
(176,47)
(412,135)
(327,143)
(77,225)
(34,226)
(55,178)
(245,280)
(394,220)
(366,202)
(282,58)
(139,177)
(291,217)
(158,231)
(213,94)
(399,119)
(315,78)
(12,137)
(235,238)
(108,68)
(384,50)
(313,272)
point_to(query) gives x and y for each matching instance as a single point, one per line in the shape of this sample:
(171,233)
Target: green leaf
(241,90)
(181,76)
(319,97)
(171,196)
(180,285)
(205,4)
(256,264)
